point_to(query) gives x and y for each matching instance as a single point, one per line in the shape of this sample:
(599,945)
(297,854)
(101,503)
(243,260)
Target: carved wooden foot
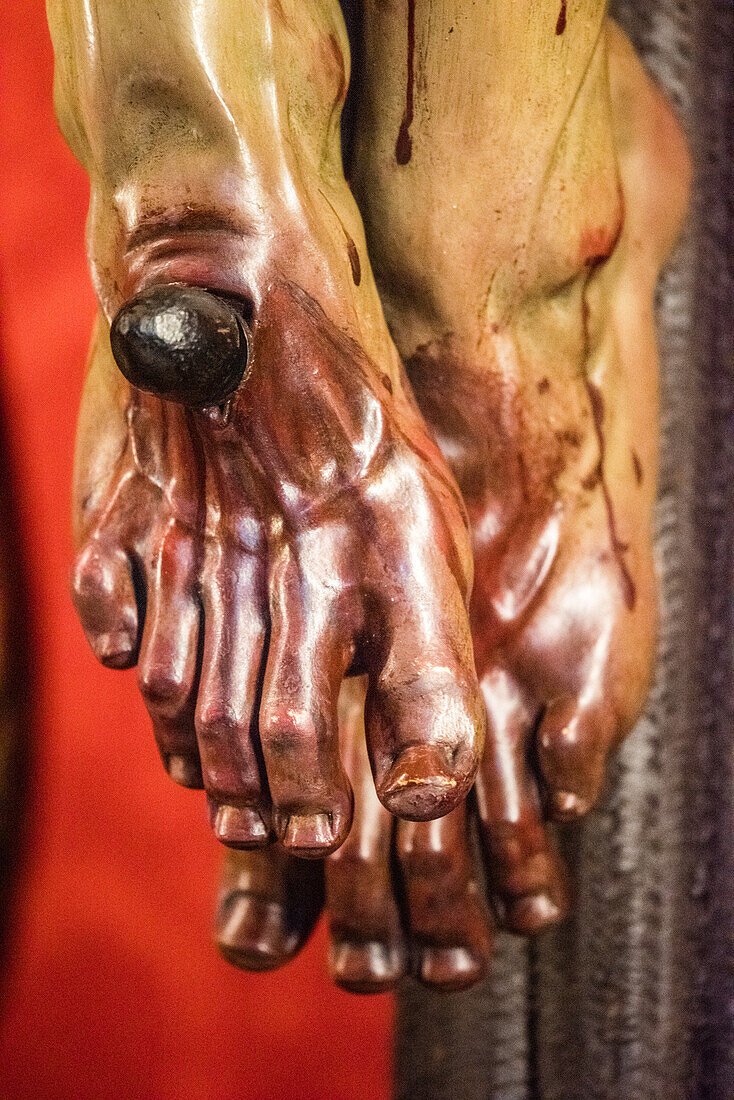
(551,605)
(516,240)
(282,517)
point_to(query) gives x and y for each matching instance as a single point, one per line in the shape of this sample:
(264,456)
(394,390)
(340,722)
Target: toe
(253,934)
(425,717)
(226,708)
(104,597)
(573,741)
(446,918)
(239,826)
(168,662)
(310,651)
(367,951)
(525,874)
(268,906)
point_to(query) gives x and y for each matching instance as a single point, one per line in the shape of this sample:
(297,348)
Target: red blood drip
(596,400)
(404,144)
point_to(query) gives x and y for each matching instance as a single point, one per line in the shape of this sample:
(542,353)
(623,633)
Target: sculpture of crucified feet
(549,421)
(253,532)
(520,364)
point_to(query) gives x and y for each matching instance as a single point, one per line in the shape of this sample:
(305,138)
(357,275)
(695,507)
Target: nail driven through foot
(182,343)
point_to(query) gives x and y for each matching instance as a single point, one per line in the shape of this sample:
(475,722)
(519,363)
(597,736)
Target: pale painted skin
(187,116)
(448,263)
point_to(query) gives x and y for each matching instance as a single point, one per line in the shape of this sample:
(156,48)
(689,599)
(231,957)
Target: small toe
(573,741)
(371,966)
(446,917)
(268,906)
(451,968)
(253,934)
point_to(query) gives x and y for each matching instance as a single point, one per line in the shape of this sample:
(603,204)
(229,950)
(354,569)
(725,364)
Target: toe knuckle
(164,691)
(286,728)
(216,723)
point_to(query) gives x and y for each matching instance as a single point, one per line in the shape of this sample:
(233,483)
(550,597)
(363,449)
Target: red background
(113,987)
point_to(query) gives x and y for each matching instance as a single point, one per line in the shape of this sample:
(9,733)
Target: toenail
(366,967)
(252,933)
(450,967)
(307,834)
(419,785)
(184,771)
(239,826)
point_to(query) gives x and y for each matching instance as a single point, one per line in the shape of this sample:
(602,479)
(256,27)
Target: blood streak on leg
(596,401)
(404,144)
(352,250)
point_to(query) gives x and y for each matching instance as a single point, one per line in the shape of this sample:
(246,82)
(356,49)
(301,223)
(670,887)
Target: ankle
(511,189)
(214,167)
